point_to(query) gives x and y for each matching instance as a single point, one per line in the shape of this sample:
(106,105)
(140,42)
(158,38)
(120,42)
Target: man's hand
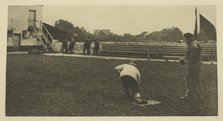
(117,71)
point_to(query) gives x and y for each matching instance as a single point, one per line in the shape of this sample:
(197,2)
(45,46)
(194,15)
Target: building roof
(55,32)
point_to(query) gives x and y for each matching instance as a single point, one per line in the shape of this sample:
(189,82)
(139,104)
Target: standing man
(87,46)
(193,60)
(130,77)
(71,46)
(64,43)
(96,47)
(68,45)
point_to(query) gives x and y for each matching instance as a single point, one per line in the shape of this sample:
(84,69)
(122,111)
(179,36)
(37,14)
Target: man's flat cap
(188,35)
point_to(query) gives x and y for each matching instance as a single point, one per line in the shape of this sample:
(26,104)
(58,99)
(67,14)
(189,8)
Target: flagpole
(196,26)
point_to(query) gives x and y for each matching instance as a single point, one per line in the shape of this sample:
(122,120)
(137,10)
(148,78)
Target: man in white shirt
(130,77)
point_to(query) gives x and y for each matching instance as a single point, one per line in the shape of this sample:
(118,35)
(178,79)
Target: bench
(172,57)
(174,52)
(144,51)
(155,51)
(209,52)
(123,53)
(124,50)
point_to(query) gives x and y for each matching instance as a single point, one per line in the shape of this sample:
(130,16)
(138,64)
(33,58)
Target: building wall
(18,22)
(18,17)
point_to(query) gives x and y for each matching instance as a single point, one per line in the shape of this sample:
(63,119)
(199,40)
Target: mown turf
(38,85)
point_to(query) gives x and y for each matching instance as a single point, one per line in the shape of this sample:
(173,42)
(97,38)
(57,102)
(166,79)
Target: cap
(188,35)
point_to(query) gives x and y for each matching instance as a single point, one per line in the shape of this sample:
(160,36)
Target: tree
(64,25)
(141,36)
(168,34)
(67,26)
(128,37)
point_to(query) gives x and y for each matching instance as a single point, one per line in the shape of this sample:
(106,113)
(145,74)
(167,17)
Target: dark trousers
(194,83)
(70,51)
(194,88)
(95,52)
(130,86)
(86,48)
(64,49)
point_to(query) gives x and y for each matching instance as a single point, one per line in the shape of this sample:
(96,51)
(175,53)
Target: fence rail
(156,51)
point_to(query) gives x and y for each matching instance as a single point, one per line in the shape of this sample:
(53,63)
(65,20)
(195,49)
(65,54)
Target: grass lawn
(38,85)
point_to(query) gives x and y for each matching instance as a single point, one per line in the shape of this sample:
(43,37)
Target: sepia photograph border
(3,54)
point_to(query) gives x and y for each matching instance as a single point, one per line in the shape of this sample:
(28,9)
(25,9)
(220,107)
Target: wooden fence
(156,51)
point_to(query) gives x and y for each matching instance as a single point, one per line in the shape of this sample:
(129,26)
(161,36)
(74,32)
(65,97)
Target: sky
(132,19)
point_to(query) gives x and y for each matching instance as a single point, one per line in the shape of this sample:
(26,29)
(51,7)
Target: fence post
(148,53)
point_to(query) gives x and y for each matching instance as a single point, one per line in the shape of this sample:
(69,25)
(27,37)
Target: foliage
(167,34)
(80,34)
(173,34)
(64,25)
(127,36)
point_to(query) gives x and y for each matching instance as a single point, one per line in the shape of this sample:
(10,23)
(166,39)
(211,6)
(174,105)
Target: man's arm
(118,69)
(184,60)
(138,79)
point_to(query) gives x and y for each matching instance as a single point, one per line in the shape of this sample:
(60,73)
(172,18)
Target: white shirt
(130,70)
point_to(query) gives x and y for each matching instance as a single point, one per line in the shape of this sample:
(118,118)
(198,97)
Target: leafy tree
(141,36)
(64,25)
(167,34)
(128,37)
(67,26)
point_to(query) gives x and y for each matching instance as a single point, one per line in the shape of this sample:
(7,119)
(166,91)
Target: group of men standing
(88,46)
(69,44)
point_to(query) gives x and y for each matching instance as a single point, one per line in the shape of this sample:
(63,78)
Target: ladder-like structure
(44,38)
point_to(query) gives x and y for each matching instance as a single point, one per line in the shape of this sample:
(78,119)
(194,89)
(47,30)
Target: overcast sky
(132,19)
